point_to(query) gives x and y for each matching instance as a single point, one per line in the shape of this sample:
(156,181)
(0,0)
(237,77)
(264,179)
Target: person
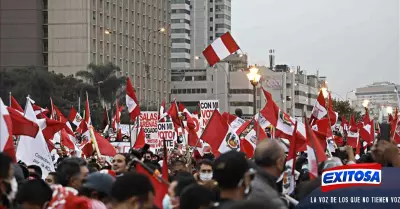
(34,194)
(205,172)
(69,174)
(132,190)
(233,175)
(269,158)
(8,183)
(177,165)
(51,178)
(98,187)
(239,112)
(120,163)
(35,171)
(250,204)
(195,196)
(183,182)
(83,166)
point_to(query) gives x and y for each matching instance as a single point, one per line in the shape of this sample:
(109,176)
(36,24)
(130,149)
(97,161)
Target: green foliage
(41,85)
(344,109)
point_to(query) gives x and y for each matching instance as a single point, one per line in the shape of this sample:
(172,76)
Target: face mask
(167,202)
(206,176)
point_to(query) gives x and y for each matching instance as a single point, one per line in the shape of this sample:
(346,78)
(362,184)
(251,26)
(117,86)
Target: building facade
(293,90)
(194,25)
(379,97)
(67,35)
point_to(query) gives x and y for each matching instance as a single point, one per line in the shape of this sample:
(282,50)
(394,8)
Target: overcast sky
(352,42)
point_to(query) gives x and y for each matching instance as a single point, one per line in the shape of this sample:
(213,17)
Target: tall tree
(104,79)
(344,109)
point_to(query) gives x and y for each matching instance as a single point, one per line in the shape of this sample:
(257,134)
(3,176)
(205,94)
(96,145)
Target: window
(180,21)
(180,40)
(180,31)
(211,9)
(180,60)
(243,104)
(189,91)
(180,2)
(211,19)
(180,11)
(219,34)
(211,28)
(226,26)
(180,50)
(211,38)
(240,91)
(223,16)
(188,78)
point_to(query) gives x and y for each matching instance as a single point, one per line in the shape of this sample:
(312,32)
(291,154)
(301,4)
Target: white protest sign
(122,147)
(166,131)
(207,108)
(35,151)
(148,121)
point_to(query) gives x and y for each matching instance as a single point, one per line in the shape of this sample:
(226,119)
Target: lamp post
(144,50)
(254,79)
(352,91)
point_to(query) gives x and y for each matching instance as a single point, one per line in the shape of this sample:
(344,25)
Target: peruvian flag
(315,152)
(352,133)
(344,125)
(86,144)
(88,118)
(50,127)
(74,117)
(220,48)
(173,113)
(40,111)
(333,116)
(117,121)
(6,139)
(15,105)
(289,174)
(162,114)
(140,138)
(104,145)
(249,142)
(219,135)
(131,101)
(21,125)
(319,110)
(234,121)
(367,129)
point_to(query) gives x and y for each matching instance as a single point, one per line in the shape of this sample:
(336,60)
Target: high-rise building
(194,25)
(67,35)
(379,97)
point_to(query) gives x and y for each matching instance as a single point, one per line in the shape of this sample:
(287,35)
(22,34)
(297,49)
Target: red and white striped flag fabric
(234,121)
(162,114)
(6,140)
(15,104)
(220,48)
(315,152)
(74,117)
(88,118)
(319,110)
(131,101)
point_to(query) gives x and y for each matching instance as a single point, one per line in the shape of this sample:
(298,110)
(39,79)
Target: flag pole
(329,122)
(130,134)
(9,98)
(310,134)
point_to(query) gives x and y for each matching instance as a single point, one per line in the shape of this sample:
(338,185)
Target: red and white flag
(234,121)
(220,48)
(162,114)
(88,118)
(74,117)
(6,140)
(117,122)
(50,127)
(219,135)
(315,152)
(15,105)
(319,110)
(21,126)
(131,101)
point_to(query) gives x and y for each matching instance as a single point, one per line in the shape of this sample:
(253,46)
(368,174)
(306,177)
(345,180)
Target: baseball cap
(100,182)
(229,168)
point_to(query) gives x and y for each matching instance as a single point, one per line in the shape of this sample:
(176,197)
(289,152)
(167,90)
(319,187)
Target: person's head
(132,190)
(270,156)
(69,173)
(195,197)
(93,167)
(239,112)
(8,183)
(177,166)
(98,186)
(204,167)
(232,172)
(51,178)
(147,156)
(83,165)
(35,171)
(34,194)
(183,182)
(120,163)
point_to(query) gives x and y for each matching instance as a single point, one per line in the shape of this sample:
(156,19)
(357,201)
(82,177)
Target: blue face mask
(167,202)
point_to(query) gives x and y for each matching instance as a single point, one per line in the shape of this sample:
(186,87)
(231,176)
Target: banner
(34,151)
(207,107)
(166,131)
(148,121)
(121,147)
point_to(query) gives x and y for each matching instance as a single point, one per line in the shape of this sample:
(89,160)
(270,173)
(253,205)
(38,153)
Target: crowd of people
(227,181)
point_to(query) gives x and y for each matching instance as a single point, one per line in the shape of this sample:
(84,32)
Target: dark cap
(100,182)
(229,168)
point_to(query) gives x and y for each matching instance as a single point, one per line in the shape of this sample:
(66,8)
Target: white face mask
(206,176)
(14,189)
